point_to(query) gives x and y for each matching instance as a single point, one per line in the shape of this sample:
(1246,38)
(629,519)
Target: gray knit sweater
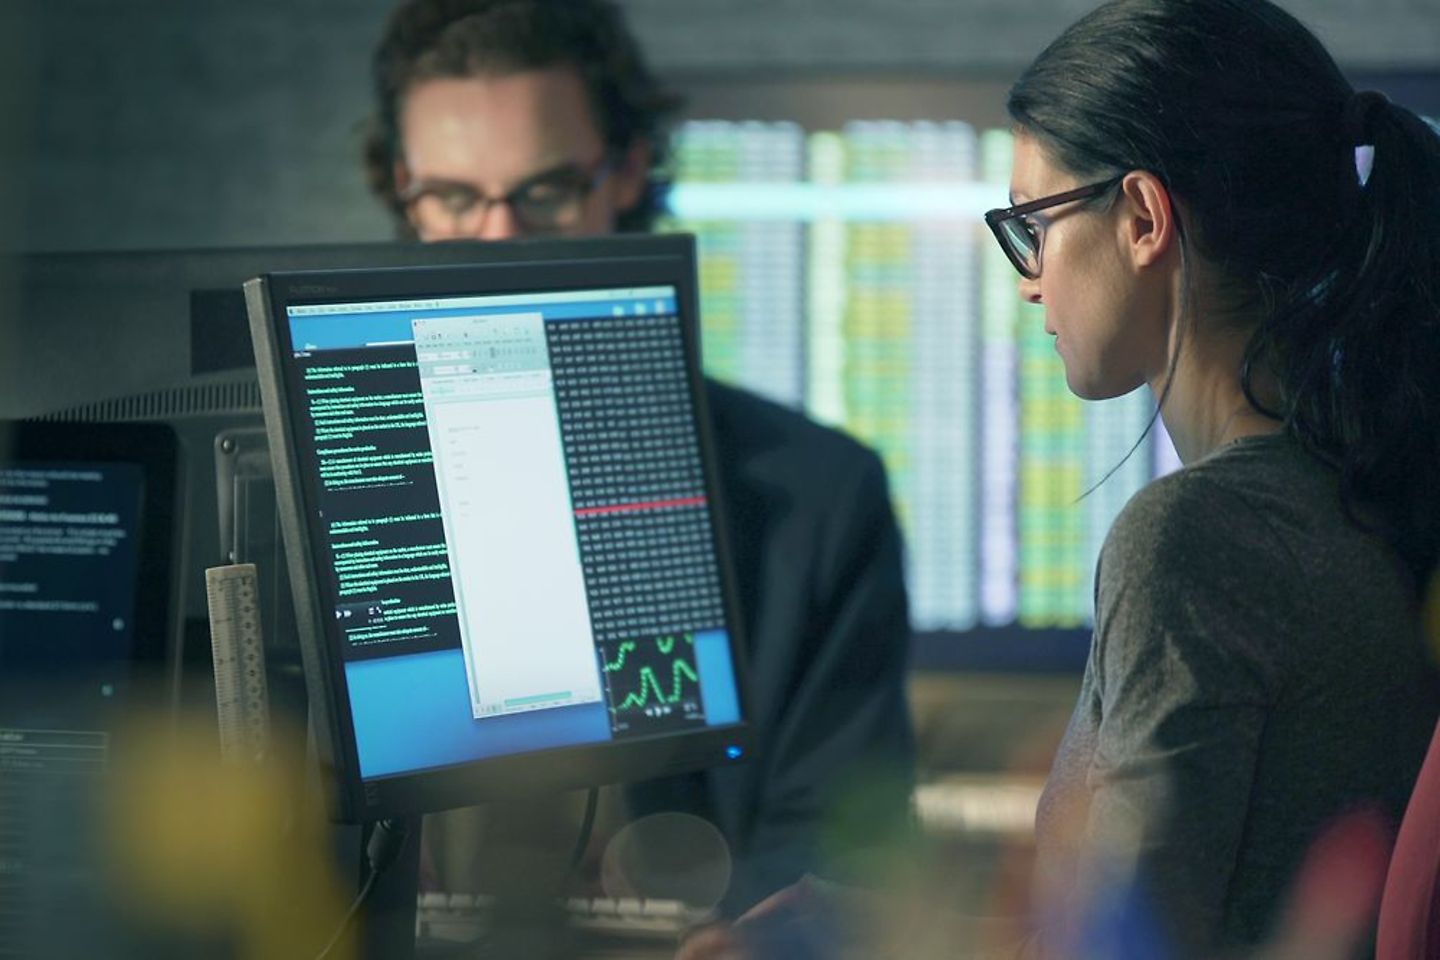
(1257,669)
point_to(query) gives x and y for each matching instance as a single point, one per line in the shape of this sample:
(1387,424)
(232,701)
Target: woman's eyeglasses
(1021,235)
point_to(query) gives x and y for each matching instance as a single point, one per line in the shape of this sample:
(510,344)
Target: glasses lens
(439,210)
(1023,243)
(553,202)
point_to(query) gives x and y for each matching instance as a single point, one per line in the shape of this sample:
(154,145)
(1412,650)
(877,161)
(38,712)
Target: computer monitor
(499,502)
(86,541)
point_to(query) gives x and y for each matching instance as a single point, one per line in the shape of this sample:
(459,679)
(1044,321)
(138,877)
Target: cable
(586,826)
(387,839)
(349,915)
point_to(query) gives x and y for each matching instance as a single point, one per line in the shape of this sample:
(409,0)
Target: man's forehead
(552,97)
(499,125)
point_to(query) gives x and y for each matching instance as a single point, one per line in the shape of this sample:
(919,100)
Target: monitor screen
(85,521)
(504,520)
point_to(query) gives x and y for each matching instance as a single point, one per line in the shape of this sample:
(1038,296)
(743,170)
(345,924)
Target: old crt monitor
(498,496)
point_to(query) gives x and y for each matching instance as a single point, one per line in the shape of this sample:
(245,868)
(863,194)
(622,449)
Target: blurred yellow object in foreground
(203,849)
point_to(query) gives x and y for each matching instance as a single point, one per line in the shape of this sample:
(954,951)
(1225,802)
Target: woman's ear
(1149,230)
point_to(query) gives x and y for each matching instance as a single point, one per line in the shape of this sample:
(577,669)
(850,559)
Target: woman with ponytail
(1205,206)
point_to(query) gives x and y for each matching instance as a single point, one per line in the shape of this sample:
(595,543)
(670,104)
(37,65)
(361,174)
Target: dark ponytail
(1250,123)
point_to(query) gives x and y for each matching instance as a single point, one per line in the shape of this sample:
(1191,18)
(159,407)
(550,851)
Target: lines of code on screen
(381,509)
(69,558)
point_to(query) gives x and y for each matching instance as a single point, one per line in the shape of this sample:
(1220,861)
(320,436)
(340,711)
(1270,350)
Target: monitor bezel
(510,267)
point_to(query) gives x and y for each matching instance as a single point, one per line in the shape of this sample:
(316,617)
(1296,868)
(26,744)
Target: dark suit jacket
(817,560)
(817,557)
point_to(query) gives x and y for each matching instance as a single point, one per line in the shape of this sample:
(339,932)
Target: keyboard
(460,917)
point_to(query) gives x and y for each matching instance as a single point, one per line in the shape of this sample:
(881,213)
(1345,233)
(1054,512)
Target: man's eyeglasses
(550,201)
(1021,235)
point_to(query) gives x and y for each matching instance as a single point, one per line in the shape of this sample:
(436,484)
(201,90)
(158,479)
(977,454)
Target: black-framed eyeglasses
(546,202)
(1021,235)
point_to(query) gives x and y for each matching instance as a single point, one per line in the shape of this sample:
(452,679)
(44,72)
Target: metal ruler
(238,650)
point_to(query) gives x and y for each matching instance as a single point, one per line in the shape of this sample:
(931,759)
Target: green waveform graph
(663,645)
(653,678)
(621,653)
(681,672)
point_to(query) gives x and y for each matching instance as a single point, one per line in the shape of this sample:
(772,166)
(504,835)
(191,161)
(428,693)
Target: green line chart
(652,682)
(662,644)
(621,653)
(680,672)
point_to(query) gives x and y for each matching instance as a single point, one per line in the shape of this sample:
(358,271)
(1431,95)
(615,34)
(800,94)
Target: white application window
(505,505)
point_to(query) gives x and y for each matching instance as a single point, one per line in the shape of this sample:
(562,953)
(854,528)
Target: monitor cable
(387,839)
(587,826)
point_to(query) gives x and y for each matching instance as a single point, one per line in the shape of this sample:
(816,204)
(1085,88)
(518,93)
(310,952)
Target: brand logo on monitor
(311,290)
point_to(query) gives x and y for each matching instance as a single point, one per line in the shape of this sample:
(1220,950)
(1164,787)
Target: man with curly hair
(505,118)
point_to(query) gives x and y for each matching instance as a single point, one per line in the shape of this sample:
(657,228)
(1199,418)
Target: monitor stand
(385,925)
